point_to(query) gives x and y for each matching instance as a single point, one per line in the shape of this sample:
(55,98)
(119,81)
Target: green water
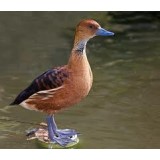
(123,107)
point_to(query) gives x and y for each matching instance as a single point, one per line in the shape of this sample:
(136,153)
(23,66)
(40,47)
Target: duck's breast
(81,75)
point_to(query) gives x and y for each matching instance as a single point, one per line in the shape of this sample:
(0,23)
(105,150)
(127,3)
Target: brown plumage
(64,86)
(69,90)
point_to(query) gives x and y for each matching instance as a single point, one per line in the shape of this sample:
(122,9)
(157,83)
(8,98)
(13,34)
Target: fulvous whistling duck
(64,86)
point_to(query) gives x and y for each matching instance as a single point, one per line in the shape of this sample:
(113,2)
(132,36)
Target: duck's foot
(66,132)
(61,136)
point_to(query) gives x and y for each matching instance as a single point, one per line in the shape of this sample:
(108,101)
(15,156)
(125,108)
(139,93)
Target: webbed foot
(61,136)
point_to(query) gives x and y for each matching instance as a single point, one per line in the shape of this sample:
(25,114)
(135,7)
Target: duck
(63,86)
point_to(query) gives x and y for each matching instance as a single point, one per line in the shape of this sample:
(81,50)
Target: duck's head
(89,28)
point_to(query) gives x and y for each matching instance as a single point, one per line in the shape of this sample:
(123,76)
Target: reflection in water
(122,110)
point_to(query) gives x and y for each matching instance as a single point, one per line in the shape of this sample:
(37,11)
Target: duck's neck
(78,55)
(80,45)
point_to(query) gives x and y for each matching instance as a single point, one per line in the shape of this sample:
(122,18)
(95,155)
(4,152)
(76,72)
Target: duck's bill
(103,32)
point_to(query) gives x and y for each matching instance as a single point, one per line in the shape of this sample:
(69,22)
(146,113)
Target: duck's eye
(90,26)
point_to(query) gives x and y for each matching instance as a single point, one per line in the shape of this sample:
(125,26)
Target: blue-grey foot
(61,136)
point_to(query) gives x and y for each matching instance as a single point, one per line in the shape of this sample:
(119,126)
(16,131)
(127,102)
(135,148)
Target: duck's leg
(62,137)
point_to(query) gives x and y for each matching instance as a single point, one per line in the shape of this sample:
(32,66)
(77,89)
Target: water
(123,107)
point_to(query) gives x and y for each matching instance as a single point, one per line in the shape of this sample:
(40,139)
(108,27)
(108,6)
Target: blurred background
(123,107)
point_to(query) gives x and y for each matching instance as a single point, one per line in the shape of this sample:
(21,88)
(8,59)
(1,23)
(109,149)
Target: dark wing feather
(50,79)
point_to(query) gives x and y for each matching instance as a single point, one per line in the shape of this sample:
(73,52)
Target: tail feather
(13,103)
(21,97)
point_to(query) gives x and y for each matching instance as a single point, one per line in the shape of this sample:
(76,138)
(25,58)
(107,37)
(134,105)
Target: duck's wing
(51,79)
